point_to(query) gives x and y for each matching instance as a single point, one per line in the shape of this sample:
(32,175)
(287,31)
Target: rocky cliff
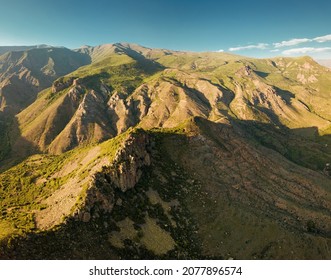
(122,174)
(233,161)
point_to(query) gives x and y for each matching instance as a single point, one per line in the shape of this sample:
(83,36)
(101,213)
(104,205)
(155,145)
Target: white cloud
(323,39)
(305,50)
(220,50)
(260,46)
(291,42)
(295,41)
(275,47)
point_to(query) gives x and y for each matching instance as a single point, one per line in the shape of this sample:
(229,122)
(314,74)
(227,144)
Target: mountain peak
(140,149)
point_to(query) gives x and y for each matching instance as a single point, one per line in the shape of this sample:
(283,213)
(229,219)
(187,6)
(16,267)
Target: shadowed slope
(234,160)
(24,73)
(201,190)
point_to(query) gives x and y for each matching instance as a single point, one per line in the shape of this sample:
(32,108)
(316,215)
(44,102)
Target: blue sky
(253,28)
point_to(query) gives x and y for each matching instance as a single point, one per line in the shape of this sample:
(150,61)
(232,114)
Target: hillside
(175,179)
(127,88)
(23,73)
(147,153)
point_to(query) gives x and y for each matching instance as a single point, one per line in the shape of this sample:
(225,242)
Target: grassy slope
(229,226)
(176,213)
(301,78)
(156,196)
(42,121)
(306,104)
(159,225)
(25,187)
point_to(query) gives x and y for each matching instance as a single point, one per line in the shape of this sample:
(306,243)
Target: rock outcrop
(126,169)
(61,84)
(124,173)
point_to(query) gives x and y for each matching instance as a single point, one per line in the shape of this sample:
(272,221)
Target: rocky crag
(155,154)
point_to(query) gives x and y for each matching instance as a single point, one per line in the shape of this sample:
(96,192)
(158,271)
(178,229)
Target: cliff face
(129,162)
(61,84)
(234,163)
(123,174)
(89,181)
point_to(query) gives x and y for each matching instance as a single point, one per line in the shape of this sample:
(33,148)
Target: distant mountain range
(5,49)
(122,151)
(23,73)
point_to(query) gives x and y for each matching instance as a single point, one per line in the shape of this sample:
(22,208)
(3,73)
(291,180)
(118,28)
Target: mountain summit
(122,151)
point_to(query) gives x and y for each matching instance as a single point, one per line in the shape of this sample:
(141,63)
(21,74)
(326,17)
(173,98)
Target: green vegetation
(4,138)
(118,71)
(127,230)
(238,146)
(297,145)
(25,187)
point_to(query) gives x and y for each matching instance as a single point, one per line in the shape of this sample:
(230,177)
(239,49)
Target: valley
(125,152)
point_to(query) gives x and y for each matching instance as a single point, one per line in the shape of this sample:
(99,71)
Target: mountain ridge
(203,96)
(5,49)
(24,73)
(163,154)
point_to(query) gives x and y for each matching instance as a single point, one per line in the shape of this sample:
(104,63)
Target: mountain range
(126,152)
